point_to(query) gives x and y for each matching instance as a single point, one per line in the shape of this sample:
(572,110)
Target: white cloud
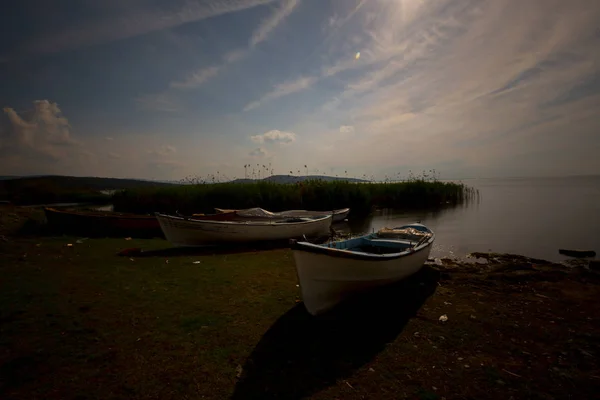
(283,89)
(259,152)
(274,136)
(39,140)
(114,156)
(273,21)
(108,138)
(139,19)
(42,129)
(346,129)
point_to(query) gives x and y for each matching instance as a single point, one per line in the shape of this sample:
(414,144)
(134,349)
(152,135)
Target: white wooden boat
(181,231)
(328,273)
(338,215)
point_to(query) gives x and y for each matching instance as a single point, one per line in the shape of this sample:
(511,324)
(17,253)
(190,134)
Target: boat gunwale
(348,253)
(268,222)
(338,211)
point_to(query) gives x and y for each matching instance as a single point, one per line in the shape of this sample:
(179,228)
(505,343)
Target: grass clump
(309,194)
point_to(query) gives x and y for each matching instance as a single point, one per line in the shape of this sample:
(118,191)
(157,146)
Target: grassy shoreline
(80,322)
(313,195)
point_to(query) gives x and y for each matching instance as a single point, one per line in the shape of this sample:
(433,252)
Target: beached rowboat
(109,223)
(102,223)
(182,231)
(577,253)
(338,215)
(328,273)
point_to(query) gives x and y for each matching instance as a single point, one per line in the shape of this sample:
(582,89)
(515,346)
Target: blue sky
(167,89)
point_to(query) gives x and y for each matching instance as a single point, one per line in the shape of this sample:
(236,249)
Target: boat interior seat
(405,242)
(397,244)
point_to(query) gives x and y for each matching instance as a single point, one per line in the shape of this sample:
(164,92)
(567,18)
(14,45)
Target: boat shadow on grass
(301,354)
(248,247)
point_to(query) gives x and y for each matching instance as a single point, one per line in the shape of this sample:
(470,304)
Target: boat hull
(577,253)
(190,232)
(102,224)
(330,273)
(326,281)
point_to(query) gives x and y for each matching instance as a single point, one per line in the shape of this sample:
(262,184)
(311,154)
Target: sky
(171,89)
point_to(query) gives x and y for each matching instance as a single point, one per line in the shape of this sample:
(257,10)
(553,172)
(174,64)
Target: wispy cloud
(159,102)
(114,156)
(162,151)
(395,34)
(283,89)
(258,152)
(442,82)
(235,55)
(260,34)
(196,79)
(274,136)
(466,76)
(349,61)
(164,169)
(273,21)
(141,19)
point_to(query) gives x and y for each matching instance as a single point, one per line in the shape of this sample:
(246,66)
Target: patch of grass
(312,194)
(81,322)
(424,394)
(190,324)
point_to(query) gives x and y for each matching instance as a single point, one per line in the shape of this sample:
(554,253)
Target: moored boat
(100,223)
(329,273)
(577,253)
(338,215)
(181,231)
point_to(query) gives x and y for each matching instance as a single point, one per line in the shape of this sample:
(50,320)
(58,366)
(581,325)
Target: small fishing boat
(577,253)
(101,223)
(182,231)
(328,273)
(338,215)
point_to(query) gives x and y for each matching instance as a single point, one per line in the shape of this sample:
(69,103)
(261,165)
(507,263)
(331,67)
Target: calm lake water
(532,217)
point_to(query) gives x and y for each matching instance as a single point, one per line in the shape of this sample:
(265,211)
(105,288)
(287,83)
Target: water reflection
(533,217)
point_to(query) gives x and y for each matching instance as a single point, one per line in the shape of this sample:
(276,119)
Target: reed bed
(318,195)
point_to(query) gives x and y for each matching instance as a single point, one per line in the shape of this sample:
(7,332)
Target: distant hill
(59,189)
(294,179)
(76,182)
